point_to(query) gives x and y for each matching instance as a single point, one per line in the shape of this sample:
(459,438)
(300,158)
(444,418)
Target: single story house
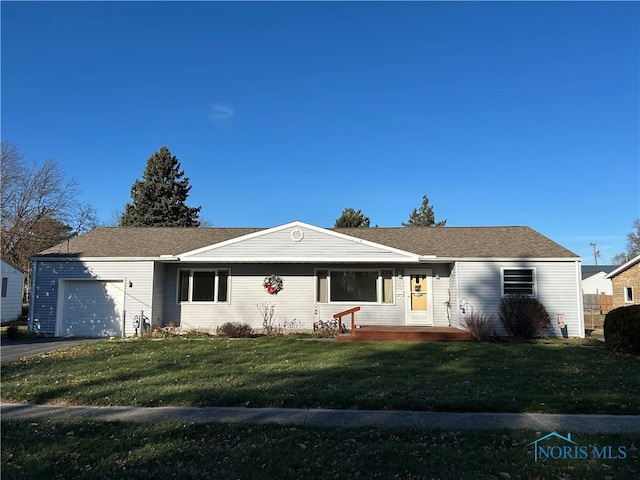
(100,283)
(594,279)
(625,281)
(12,290)
(597,292)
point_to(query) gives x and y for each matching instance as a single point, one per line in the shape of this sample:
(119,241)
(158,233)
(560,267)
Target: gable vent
(297,235)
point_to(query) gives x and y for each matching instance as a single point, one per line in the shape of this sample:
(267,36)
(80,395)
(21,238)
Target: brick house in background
(625,282)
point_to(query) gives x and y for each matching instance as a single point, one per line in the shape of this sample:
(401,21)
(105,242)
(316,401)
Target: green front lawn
(104,450)
(545,376)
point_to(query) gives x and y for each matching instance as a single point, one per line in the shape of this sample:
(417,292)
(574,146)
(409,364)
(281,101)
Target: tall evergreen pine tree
(159,199)
(352,218)
(423,216)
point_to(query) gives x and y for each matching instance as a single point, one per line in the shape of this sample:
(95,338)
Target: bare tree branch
(39,206)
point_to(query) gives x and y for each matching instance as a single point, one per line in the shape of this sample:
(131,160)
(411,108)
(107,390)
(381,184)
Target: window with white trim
(519,281)
(202,285)
(628,294)
(354,285)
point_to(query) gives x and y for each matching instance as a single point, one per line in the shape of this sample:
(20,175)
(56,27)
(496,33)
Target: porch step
(382,333)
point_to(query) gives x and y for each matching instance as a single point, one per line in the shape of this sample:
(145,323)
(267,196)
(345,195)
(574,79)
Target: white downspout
(581,331)
(456,267)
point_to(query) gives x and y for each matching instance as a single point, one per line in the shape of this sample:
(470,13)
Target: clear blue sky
(503,113)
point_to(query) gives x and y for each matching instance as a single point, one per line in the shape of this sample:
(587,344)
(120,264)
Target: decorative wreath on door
(272,284)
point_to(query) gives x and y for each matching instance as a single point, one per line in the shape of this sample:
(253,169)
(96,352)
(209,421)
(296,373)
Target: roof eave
(624,267)
(72,258)
(316,260)
(507,259)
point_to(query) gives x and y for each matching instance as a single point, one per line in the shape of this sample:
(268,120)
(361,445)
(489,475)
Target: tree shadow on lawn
(460,377)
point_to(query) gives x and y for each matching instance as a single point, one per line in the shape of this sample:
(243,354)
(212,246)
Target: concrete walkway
(330,418)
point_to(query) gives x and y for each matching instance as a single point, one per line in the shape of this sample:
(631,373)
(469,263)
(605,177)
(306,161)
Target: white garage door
(91,308)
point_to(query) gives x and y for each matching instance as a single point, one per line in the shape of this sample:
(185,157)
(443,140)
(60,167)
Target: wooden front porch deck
(386,333)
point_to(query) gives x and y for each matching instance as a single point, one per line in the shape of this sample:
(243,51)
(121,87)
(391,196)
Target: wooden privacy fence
(597,303)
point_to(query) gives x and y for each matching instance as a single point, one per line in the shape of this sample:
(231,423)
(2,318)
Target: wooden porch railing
(352,312)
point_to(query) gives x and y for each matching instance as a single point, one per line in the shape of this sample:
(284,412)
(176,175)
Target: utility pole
(596,252)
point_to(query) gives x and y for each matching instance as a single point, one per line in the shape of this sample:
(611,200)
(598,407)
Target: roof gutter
(283,260)
(70,258)
(507,259)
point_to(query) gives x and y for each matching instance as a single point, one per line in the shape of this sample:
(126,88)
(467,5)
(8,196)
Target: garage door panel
(92,308)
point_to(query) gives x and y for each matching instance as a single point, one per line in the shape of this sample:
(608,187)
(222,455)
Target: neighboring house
(594,279)
(597,293)
(625,281)
(12,288)
(200,278)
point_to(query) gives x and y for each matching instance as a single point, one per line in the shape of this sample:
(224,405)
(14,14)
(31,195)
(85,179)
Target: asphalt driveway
(14,349)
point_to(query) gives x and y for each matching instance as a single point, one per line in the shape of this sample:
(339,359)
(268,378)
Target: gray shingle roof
(448,242)
(591,270)
(465,242)
(144,241)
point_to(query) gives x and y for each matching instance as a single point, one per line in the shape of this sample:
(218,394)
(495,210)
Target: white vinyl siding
(558,288)
(453,310)
(136,275)
(279,244)
(440,288)
(12,288)
(295,305)
(152,288)
(158,298)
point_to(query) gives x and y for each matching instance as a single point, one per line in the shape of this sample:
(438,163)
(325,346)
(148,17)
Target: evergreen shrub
(622,329)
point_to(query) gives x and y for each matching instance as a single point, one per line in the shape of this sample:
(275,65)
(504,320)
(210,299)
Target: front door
(418,297)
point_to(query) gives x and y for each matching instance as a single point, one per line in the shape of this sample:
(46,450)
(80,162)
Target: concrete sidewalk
(330,418)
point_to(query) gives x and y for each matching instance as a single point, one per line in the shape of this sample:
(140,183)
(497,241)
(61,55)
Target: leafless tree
(39,207)
(633,245)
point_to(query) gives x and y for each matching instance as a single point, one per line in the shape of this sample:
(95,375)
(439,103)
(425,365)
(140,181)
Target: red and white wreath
(272,284)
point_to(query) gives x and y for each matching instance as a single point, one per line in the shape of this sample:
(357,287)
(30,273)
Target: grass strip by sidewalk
(96,450)
(545,376)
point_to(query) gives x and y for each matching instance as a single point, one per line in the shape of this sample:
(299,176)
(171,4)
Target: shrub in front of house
(327,328)
(480,326)
(158,332)
(13,332)
(622,329)
(523,316)
(234,330)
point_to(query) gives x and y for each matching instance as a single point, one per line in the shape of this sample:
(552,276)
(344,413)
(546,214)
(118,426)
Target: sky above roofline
(503,113)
